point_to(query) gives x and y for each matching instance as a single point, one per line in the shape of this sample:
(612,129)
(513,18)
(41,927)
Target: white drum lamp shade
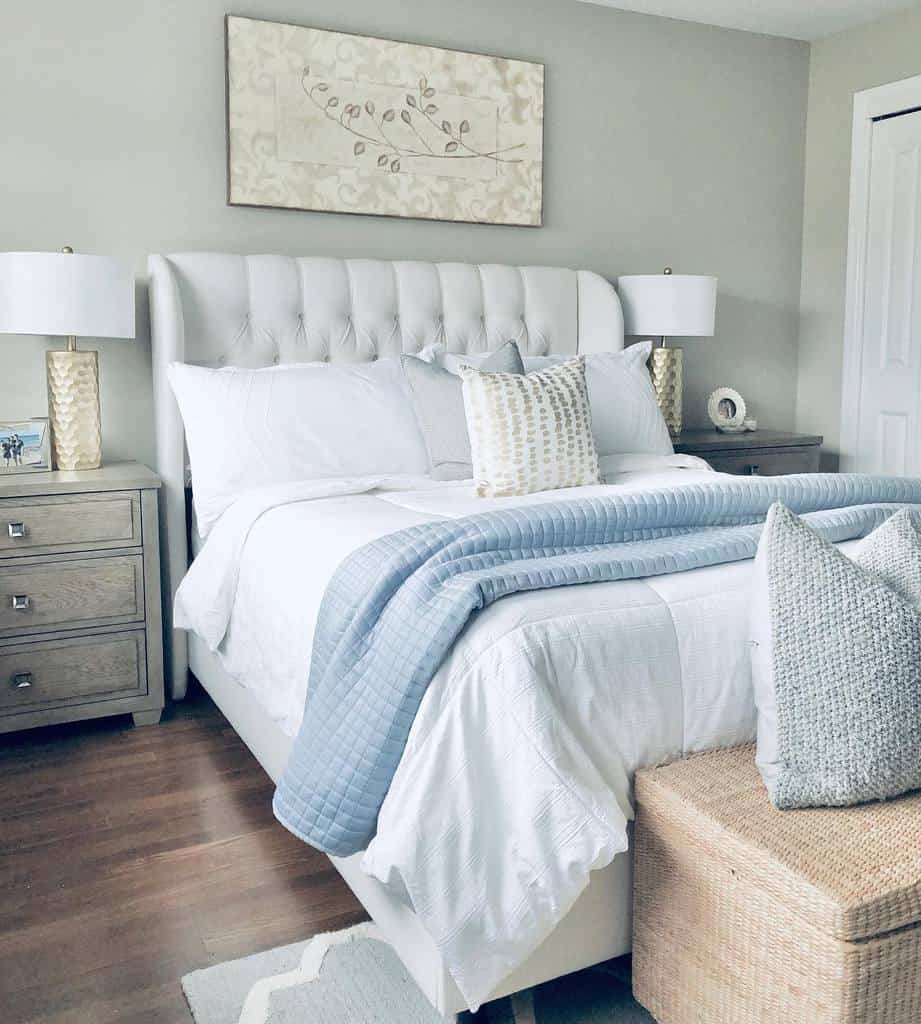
(69,294)
(662,306)
(74,295)
(668,305)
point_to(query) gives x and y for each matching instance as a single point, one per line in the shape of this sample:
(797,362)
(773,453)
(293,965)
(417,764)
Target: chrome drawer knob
(16,530)
(21,680)
(20,602)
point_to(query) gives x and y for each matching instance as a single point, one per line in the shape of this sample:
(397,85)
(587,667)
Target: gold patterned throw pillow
(530,433)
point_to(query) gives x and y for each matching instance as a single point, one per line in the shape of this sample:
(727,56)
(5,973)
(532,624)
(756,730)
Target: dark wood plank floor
(129,857)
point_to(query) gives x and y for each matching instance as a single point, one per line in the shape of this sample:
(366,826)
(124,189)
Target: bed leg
(523,1006)
(520,1003)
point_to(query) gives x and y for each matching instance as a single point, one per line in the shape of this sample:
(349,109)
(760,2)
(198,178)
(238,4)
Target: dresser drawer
(67,594)
(37,526)
(767,462)
(53,673)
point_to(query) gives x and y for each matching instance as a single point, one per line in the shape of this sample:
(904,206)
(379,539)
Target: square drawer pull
(21,680)
(16,530)
(20,602)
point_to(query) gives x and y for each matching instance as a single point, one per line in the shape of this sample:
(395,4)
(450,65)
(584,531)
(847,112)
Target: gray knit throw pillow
(836,663)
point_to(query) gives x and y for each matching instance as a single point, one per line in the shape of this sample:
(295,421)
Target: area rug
(354,977)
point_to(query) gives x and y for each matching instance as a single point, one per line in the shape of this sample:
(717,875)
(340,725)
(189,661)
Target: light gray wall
(666,143)
(884,51)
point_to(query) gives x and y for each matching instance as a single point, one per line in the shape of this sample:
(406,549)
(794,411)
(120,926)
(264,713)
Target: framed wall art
(329,121)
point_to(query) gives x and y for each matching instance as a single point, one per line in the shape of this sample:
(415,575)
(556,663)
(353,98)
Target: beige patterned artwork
(327,121)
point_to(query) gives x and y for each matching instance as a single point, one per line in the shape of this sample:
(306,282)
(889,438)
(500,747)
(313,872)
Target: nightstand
(80,614)
(754,453)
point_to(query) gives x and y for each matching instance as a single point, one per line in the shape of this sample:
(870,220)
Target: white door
(888,410)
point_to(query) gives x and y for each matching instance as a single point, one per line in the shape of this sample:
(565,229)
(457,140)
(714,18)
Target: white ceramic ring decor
(726,409)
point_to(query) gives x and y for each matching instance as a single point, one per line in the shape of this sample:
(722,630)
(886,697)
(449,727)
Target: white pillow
(626,419)
(438,399)
(251,428)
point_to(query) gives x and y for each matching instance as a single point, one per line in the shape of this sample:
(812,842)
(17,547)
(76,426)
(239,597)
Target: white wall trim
(869,106)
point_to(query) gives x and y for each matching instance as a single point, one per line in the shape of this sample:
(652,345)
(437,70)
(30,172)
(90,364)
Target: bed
(221,309)
(673,650)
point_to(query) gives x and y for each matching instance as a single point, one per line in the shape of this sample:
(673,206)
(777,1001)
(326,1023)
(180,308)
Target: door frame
(870,106)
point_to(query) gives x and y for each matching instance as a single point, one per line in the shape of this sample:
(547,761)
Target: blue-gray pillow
(438,399)
(836,663)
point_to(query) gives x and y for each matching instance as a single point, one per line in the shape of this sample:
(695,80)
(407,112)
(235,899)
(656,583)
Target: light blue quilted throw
(394,608)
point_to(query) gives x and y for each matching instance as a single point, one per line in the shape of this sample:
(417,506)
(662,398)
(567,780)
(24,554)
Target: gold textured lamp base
(73,406)
(666,365)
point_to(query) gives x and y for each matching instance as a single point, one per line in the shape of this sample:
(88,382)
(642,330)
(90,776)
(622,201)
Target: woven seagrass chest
(744,914)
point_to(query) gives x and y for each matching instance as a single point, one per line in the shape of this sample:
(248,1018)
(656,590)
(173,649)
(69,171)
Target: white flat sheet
(516,780)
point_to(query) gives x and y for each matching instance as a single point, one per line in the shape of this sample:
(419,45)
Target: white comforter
(516,780)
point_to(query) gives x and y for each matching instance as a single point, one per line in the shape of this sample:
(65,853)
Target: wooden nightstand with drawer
(80,614)
(754,453)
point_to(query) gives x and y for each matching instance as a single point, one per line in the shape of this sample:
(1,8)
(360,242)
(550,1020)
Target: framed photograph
(345,123)
(728,412)
(25,446)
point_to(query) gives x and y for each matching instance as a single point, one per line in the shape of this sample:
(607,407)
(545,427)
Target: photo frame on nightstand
(25,446)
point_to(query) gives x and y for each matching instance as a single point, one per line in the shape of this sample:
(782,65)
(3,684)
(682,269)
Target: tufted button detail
(325,357)
(373,356)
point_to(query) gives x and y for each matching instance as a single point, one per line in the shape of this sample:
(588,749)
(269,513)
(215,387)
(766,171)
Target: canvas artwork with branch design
(327,121)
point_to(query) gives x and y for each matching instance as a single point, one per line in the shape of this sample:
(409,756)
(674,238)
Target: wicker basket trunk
(747,915)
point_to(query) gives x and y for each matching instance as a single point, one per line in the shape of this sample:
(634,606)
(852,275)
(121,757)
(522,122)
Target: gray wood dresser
(754,453)
(80,613)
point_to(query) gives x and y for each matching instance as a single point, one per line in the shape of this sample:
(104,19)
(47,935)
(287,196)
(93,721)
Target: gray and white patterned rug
(354,977)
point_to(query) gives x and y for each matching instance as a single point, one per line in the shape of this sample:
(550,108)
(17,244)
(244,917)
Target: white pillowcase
(252,428)
(626,419)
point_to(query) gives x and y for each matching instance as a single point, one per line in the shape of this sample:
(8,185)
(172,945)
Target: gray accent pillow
(836,663)
(438,398)
(893,553)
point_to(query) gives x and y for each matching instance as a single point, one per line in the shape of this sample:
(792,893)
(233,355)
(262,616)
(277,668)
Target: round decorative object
(727,411)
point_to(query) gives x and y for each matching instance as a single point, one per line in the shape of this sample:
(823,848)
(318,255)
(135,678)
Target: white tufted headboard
(217,309)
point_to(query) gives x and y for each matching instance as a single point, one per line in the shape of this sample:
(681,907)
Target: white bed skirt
(596,929)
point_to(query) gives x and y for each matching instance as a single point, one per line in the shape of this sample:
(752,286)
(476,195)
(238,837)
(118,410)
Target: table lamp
(668,305)
(71,295)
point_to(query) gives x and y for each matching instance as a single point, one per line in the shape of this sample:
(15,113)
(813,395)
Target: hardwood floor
(129,857)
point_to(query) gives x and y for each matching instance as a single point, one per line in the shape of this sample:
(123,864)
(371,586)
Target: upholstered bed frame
(217,309)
